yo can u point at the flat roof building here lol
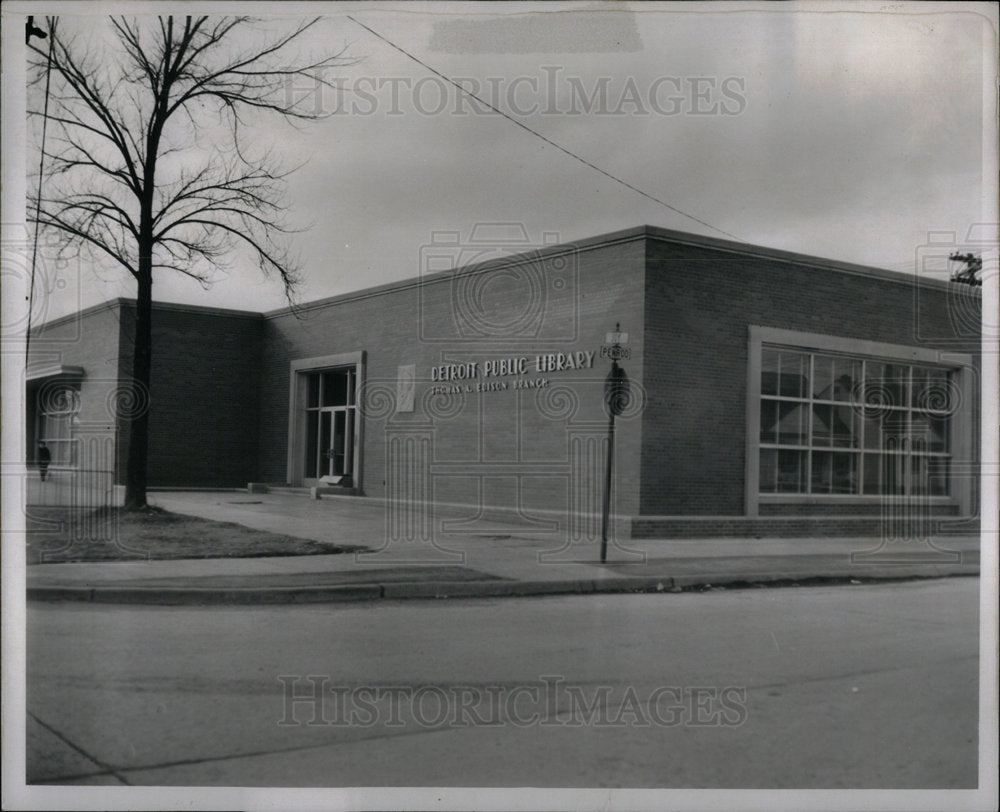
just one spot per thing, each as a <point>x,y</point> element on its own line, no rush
<point>771,393</point>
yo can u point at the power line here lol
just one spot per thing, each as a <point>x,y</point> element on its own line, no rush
<point>544,138</point>
<point>31,31</point>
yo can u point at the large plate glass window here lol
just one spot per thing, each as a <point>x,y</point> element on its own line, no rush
<point>833,424</point>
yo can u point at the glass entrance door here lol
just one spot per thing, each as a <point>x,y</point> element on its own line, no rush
<point>329,436</point>
<point>336,447</point>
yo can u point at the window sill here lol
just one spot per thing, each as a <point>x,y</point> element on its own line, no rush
<point>839,498</point>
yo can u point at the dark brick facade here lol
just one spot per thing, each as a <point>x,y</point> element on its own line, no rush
<point>699,305</point>
<point>204,396</point>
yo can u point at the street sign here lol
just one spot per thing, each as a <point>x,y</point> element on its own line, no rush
<point>616,353</point>
<point>616,338</point>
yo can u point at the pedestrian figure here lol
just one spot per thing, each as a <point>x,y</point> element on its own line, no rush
<point>44,458</point>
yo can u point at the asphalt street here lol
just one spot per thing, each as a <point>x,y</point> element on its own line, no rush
<point>863,686</point>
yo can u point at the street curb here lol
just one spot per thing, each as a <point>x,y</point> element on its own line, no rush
<point>194,596</point>
<point>242,596</point>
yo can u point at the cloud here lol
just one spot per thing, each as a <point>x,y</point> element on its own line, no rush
<point>858,133</point>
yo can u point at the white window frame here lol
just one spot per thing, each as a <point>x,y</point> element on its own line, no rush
<point>71,416</point>
<point>959,364</point>
<point>349,409</point>
<point>299,371</point>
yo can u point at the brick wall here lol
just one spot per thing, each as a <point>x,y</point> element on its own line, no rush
<point>556,304</point>
<point>812,527</point>
<point>203,398</point>
<point>699,303</point>
<point>203,395</point>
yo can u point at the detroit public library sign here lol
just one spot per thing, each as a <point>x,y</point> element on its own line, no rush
<point>469,376</point>
<point>775,394</point>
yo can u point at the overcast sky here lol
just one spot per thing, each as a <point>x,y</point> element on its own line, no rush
<point>848,135</point>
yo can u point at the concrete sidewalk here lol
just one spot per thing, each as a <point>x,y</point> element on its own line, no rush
<point>464,556</point>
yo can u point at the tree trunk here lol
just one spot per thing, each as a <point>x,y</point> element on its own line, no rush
<point>139,397</point>
<point>142,355</point>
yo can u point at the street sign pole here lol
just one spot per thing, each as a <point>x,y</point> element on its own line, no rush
<point>616,396</point>
<point>607,489</point>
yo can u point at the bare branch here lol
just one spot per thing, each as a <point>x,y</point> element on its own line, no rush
<point>116,119</point>
<point>85,234</point>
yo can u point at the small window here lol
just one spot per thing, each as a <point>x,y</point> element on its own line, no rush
<point>57,411</point>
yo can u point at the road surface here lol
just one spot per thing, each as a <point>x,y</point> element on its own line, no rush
<point>819,687</point>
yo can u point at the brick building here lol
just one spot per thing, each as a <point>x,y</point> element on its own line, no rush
<point>771,393</point>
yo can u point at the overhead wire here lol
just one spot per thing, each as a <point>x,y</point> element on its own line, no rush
<point>31,31</point>
<point>539,135</point>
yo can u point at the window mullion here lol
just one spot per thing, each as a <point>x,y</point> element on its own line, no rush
<point>897,452</point>
<point>908,459</point>
<point>809,412</point>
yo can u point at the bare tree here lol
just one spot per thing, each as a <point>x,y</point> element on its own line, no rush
<point>148,165</point>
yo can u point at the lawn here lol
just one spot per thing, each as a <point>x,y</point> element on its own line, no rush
<point>59,534</point>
